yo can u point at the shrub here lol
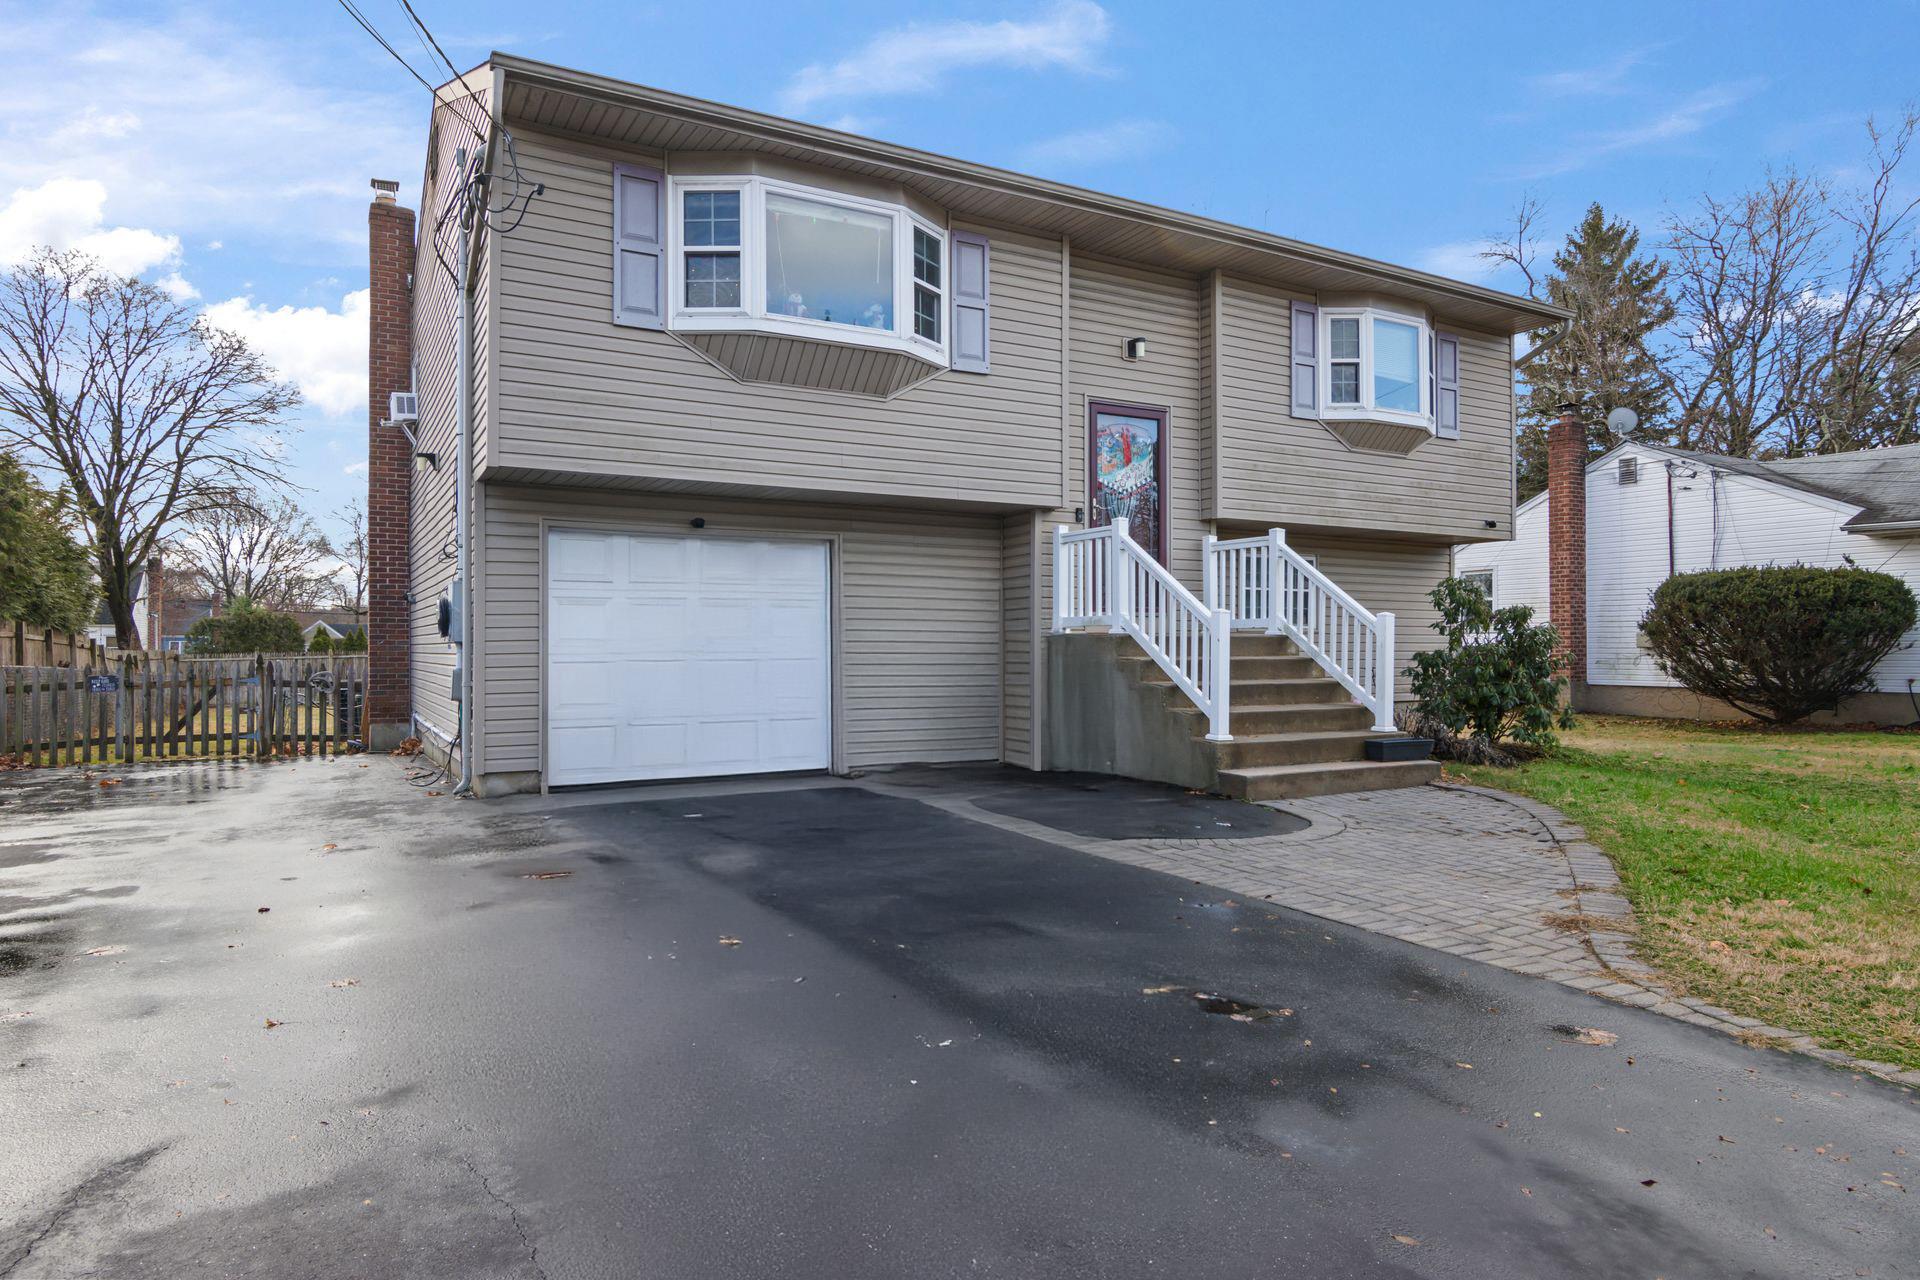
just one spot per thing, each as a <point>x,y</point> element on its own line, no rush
<point>1496,681</point>
<point>352,642</point>
<point>243,628</point>
<point>321,643</point>
<point>1779,642</point>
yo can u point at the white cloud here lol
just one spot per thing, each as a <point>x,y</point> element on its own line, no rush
<point>1603,78</point>
<point>1122,140</point>
<point>354,469</point>
<point>1681,120</point>
<point>323,352</point>
<point>1460,260</point>
<point>919,57</point>
<point>201,127</point>
<point>69,213</point>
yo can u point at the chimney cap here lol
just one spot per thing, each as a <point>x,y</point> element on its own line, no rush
<point>385,190</point>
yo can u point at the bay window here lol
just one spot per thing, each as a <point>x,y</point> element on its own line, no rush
<point>753,253</point>
<point>1376,365</point>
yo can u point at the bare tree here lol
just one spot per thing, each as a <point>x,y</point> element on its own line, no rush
<point>265,549</point>
<point>148,414</point>
<point>1792,299</point>
<point>350,581</point>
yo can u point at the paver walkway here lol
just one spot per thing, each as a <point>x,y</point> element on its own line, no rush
<point>1464,870</point>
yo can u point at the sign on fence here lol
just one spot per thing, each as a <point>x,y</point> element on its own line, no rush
<point>168,707</point>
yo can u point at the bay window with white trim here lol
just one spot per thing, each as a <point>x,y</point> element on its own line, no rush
<point>755,254</point>
<point>1375,366</point>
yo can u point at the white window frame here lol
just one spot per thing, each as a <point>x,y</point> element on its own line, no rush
<point>1366,410</point>
<point>940,304</point>
<point>753,316</point>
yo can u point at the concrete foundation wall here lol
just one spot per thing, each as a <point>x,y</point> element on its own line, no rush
<point>1100,719</point>
<point>1683,704</point>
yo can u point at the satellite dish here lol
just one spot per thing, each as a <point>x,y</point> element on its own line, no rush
<point>1621,422</point>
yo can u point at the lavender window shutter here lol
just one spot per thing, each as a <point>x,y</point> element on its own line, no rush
<point>1306,360</point>
<point>1446,386</point>
<point>970,303</point>
<point>639,260</point>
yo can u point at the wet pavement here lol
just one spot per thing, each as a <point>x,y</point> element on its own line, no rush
<point>821,1030</point>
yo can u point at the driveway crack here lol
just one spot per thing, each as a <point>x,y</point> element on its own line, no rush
<point>513,1213</point>
<point>97,1185</point>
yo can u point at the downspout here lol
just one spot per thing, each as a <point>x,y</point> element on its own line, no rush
<point>1670,553</point>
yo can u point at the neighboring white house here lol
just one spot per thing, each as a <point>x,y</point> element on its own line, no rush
<point>1654,511</point>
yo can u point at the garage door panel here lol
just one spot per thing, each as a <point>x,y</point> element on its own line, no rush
<point>698,655</point>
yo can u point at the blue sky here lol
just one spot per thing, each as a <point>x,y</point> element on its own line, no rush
<point>225,147</point>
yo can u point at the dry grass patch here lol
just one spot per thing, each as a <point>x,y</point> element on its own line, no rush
<point>1774,873</point>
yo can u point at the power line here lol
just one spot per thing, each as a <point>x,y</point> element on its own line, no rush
<point>353,12</point>
<point>427,38</point>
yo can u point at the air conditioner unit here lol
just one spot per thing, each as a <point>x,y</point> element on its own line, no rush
<point>403,406</point>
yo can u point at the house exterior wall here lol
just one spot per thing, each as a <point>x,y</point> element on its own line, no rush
<point>577,393</point>
<point>919,636</point>
<point>1276,468</point>
<point>1720,520</point>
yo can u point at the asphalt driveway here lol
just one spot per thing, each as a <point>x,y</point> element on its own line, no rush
<point>830,1031</point>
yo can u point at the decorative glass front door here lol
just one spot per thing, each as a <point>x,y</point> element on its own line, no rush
<point>1126,456</point>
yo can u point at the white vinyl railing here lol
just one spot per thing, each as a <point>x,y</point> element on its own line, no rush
<point>1103,577</point>
<point>1263,584</point>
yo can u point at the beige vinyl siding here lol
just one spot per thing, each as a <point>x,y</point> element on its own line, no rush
<point>1387,577</point>
<point>1018,561</point>
<point>576,393</point>
<point>1278,469</point>
<point>919,618</point>
<point>435,343</point>
<point>1111,303</point>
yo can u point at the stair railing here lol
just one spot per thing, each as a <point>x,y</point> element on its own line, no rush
<point>1103,577</point>
<point>1264,584</point>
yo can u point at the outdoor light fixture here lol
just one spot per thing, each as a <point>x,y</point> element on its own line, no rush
<point>1136,348</point>
<point>426,461</point>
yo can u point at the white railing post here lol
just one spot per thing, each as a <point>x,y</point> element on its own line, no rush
<point>1209,582</point>
<point>1219,677</point>
<point>1120,576</point>
<point>1383,663</point>
<point>1060,577</point>
<point>1276,559</point>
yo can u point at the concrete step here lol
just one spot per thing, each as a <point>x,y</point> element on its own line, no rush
<point>1258,750</point>
<point>1285,667</point>
<point>1254,644</point>
<point>1299,717</point>
<point>1293,781</point>
<point>1286,692</point>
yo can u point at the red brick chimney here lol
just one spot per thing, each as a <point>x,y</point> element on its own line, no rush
<point>389,471</point>
<point>1567,544</point>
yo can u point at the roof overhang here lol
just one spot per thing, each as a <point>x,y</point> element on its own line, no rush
<point>616,113</point>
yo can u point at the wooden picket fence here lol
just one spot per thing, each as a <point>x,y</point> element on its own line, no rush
<point>167,707</point>
<point>22,645</point>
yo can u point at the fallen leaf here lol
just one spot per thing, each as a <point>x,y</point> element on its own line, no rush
<point>1714,944</point>
<point>1729,1141</point>
<point>1618,1129</point>
<point>1588,1035</point>
<point>264,910</point>
<point>325,847</point>
<point>344,982</point>
<point>727,941</point>
<point>1158,991</point>
<point>271,1024</point>
<point>1464,1066</point>
<point>546,875</point>
<point>1409,1241</point>
<point>1649,1182</point>
<point>433,793</point>
<point>111,782</point>
<point>105,951</point>
<point>1525,1192</point>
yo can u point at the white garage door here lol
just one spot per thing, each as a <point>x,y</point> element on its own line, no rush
<point>685,657</point>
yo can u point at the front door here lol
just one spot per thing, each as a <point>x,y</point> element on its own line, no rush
<point>1126,471</point>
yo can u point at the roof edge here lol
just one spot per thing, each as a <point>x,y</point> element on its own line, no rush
<point>855,147</point>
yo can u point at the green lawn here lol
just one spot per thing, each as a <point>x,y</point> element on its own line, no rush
<point>1773,872</point>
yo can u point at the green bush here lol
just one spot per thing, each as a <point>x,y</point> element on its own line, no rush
<point>1778,642</point>
<point>321,643</point>
<point>244,628</point>
<point>352,642</point>
<point>1496,681</point>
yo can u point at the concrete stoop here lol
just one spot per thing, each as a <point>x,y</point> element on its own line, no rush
<point>1296,730</point>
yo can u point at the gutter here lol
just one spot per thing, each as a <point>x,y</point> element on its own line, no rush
<point>1885,526</point>
<point>1546,344</point>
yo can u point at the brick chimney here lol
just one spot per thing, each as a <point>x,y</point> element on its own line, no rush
<point>1567,544</point>
<point>389,470</point>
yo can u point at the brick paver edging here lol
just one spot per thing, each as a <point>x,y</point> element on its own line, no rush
<point>1637,984</point>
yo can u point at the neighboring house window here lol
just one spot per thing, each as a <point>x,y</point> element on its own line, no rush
<point>753,253</point>
<point>1376,365</point>
<point>1481,578</point>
